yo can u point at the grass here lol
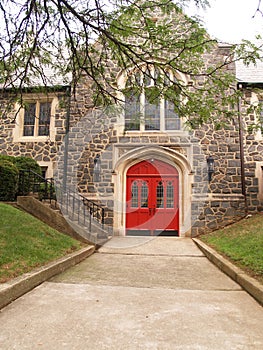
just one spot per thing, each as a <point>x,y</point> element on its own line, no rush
<point>241,243</point>
<point>26,243</point>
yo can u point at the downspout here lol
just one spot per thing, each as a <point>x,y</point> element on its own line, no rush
<point>241,148</point>
<point>66,140</point>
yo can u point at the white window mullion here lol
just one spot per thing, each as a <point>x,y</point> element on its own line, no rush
<point>162,115</point>
<point>142,111</point>
<point>36,119</point>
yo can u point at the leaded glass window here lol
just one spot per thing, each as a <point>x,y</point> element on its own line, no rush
<point>135,195</point>
<point>170,195</point>
<point>152,112</point>
<point>29,119</point>
<point>159,195</point>
<point>145,107</point>
<point>44,119</point>
<point>132,110</point>
<point>144,195</point>
<point>36,119</point>
<point>172,120</point>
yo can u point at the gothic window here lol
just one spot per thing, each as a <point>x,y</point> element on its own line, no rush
<point>145,107</point>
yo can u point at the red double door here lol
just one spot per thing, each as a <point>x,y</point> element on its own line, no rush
<point>152,199</point>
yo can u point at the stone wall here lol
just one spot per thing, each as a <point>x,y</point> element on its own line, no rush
<point>43,151</point>
<point>213,205</point>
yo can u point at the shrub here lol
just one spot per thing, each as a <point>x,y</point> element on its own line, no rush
<point>5,157</point>
<point>21,163</point>
<point>9,180</point>
<point>26,163</point>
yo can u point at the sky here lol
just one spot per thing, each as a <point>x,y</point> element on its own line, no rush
<point>231,20</point>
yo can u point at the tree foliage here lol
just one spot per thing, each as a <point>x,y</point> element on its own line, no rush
<point>43,39</point>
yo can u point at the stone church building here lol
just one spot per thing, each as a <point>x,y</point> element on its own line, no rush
<point>152,175</point>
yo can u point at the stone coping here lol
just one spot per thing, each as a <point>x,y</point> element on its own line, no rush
<point>16,287</point>
<point>249,284</point>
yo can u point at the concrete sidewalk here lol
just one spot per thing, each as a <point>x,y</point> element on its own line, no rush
<point>136,293</point>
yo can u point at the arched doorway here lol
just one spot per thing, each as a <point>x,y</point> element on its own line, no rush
<point>152,199</point>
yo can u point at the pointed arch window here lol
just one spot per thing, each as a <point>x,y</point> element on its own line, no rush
<point>145,107</point>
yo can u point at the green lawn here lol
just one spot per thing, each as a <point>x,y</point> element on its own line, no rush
<point>26,243</point>
<point>242,243</point>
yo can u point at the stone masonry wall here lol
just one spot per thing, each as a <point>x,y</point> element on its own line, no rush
<point>214,205</point>
<point>41,151</point>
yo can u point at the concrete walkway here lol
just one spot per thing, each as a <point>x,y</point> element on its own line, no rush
<point>136,293</point>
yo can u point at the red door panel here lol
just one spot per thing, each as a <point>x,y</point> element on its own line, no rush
<point>152,199</point>
<point>137,203</point>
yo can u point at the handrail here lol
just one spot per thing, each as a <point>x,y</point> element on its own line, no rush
<point>79,208</point>
<point>31,182</point>
<point>75,206</point>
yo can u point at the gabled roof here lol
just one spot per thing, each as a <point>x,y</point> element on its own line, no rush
<point>48,77</point>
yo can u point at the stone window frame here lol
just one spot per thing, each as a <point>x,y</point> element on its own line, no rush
<point>19,124</point>
<point>121,82</point>
<point>48,166</point>
<point>259,176</point>
<point>254,101</point>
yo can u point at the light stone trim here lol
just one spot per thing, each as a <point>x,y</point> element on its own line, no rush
<point>136,155</point>
<point>259,175</point>
<point>18,130</point>
<point>49,166</point>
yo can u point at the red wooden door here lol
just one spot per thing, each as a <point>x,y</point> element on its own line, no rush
<point>152,199</point>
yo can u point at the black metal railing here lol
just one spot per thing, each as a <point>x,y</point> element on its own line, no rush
<point>75,206</point>
<point>31,183</point>
<point>79,209</point>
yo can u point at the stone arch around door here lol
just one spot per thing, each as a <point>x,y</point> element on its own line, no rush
<point>172,158</point>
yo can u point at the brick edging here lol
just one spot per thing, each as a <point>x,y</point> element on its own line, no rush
<point>250,284</point>
<point>18,286</point>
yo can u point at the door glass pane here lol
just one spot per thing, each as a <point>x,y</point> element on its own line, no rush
<point>144,195</point>
<point>135,195</point>
<point>170,195</point>
<point>44,119</point>
<point>159,195</point>
<point>29,119</point>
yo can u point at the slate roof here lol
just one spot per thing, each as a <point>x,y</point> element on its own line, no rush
<point>245,74</point>
<point>49,78</point>
<point>249,74</point>
<point>52,77</point>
